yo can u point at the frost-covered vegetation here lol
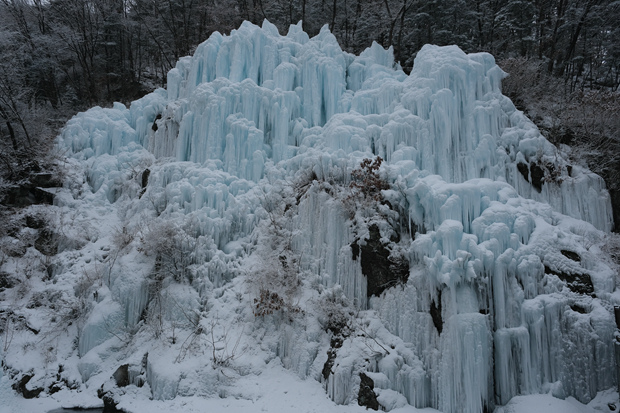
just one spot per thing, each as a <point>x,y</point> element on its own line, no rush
<point>405,240</point>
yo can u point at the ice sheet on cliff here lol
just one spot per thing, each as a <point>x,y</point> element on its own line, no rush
<point>506,249</point>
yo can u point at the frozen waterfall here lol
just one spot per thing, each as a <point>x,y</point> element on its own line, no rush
<point>505,294</point>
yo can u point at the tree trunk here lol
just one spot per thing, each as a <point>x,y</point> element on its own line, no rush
<point>12,135</point>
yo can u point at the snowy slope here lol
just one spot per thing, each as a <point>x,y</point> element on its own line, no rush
<point>223,231</point>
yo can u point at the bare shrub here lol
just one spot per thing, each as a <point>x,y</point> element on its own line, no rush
<point>366,181</point>
<point>223,350</point>
<point>85,283</point>
<point>276,277</point>
<point>269,302</point>
<point>363,196</point>
<point>122,237</point>
<point>173,248</point>
<point>336,312</point>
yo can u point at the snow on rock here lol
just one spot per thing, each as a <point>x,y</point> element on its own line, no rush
<point>230,234</point>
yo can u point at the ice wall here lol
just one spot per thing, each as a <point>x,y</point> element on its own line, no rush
<point>497,304</point>
<point>255,96</point>
<point>326,236</point>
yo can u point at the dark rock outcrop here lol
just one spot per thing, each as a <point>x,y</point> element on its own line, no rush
<point>109,404</point>
<point>46,243</point>
<point>329,363</point>
<point>539,172</point>
<point>571,255</point>
<point>524,170</point>
<point>578,308</point>
<point>537,176</point>
<point>35,222</point>
<point>154,126</point>
<point>534,174</point>
<point>382,271</point>
<point>32,192</point>
<point>7,281</point>
<point>366,396</point>
<point>614,194</point>
<point>436,313</point>
<point>22,196</point>
<point>121,375</point>
<point>20,387</point>
<point>340,330</point>
<point>580,283</point>
<point>145,177</point>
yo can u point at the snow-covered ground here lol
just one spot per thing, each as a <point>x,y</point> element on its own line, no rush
<point>291,227</point>
<point>278,391</point>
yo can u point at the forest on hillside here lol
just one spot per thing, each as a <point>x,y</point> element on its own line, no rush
<point>63,56</point>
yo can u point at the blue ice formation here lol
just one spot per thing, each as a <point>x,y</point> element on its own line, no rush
<point>255,106</point>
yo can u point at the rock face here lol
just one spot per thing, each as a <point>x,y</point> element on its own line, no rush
<point>47,242</point>
<point>615,203</point>
<point>121,376</point>
<point>6,281</point>
<point>26,195</point>
<point>380,268</point>
<point>436,313</point>
<point>367,396</point>
<point>109,404</point>
<point>21,387</point>
<point>580,283</point>
<point>33,192</point>
<point>145,178</point>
